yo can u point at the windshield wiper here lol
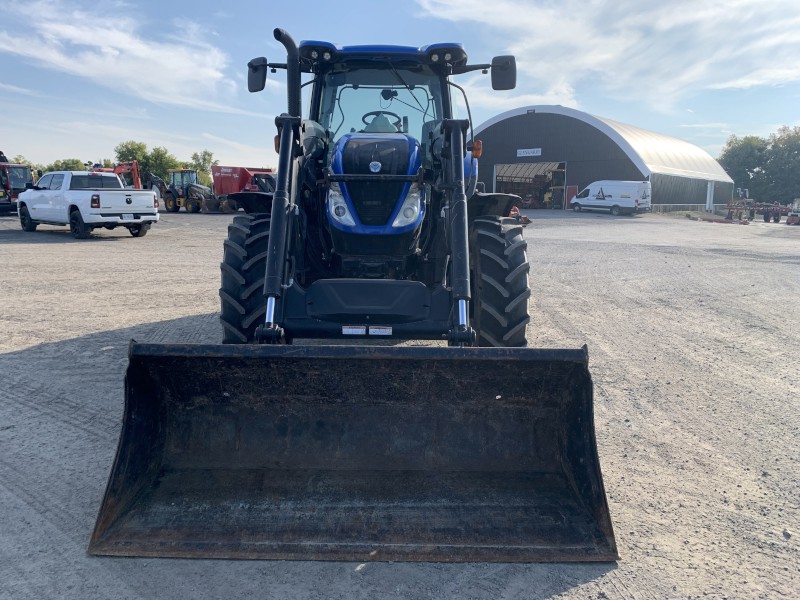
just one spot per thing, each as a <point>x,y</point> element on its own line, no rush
<point>410,91</point>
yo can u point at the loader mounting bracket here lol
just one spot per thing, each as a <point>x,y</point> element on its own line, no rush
<point>460,336</point>
<point>269,334</point>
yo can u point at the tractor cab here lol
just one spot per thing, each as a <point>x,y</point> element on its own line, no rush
<point>13,179</point>
<point>180,178</point>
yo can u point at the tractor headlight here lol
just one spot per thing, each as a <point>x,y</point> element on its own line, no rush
<point>337,207</point>
<point>411,208</point>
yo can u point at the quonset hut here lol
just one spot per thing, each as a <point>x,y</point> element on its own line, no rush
<point>546,154</point>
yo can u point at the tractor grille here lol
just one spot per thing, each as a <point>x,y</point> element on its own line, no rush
<point>375,201</point>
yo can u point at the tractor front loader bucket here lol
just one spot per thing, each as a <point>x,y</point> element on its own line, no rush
<point>356,453</point>
<point>210,205</point>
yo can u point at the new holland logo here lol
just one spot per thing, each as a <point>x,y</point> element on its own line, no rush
<point>375,166</point>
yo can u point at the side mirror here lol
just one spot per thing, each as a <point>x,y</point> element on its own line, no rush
<point>257,74</point>
<point>504,73</point>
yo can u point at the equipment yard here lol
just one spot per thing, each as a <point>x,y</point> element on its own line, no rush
<point>694,350</point>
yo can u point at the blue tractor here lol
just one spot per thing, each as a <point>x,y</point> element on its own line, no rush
<point>379,230</point>
<point>470,448</point>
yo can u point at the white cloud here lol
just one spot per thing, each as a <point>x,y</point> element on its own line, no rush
<point>18,90</point>
<point>647,50</point>
<point>183,69</point>
<point>246,154</point>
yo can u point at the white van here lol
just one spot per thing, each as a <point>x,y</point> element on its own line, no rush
<point>618,197</point>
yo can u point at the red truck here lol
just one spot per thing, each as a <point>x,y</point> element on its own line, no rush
<point>230,181</point>
<point>13,178</point>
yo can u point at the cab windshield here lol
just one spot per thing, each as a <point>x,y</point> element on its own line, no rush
<point>389,99</point>
<point>17,177</point>
<point>182,178</point>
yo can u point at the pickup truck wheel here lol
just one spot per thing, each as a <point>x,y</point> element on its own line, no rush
<point>25,220</point>
<point>500,288</point>
<point>139,230</point>
<point>169,203</point>
<point>76,225</point>
<point>243,270</point>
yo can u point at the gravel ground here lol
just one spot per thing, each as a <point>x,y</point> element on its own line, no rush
<point>694,344</point>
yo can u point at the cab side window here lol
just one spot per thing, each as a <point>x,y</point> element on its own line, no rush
<point>44,182</point>
<point>56,182</point>
<point>584,194</point>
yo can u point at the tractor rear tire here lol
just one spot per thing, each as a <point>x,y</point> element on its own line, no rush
<point>170,205</point>
<point>499,279</point>
<point>243,270</point>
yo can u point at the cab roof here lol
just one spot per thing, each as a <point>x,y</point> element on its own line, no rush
<point>432,53</point>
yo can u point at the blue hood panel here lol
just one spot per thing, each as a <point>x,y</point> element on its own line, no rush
<point>375,204</point>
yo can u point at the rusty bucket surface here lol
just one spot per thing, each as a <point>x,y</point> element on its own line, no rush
<point>356,453</point>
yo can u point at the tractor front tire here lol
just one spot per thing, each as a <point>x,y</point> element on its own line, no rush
<point>192,205</point>
<point>243,270</point>
<point>499,279</point>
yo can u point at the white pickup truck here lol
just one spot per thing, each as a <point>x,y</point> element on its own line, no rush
<point>86,200</point>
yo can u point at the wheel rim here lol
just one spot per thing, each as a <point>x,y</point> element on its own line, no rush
<point>73,225</point>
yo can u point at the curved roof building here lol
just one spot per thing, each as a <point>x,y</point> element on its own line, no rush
<point>533,148</point>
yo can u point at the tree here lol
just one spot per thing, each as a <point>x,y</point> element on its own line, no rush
<point>202,162</point>
<point>768,167</point>
<point>67,164</point>
<point>744,160</point>
<point>21,160</point>
<point>783,165</point>
<point>130,150</point>
<point>159,161</point>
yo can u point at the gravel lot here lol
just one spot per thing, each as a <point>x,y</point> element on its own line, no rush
<point>693,330</point>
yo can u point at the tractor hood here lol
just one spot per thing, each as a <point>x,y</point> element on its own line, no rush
<point>380,198</point>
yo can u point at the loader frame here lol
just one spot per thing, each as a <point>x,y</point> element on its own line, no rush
<point>428,314</point>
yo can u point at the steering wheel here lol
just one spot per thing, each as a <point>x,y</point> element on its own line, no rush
<point>376,113</point>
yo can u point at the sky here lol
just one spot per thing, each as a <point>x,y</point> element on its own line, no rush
<point>77,78</point>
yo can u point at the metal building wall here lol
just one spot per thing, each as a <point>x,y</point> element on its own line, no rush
<point>590,155</point>
<point>687,193</point>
